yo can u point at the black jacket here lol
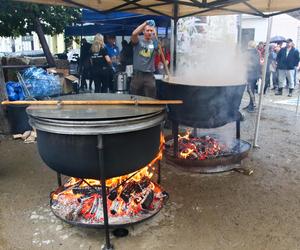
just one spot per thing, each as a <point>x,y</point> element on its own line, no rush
<point>287,62</point>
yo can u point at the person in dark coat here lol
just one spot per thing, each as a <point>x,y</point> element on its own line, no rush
<point>253,73</point>
<point>126,55</point>
<point>85,65</point>
<point>287,60</point>
<point>100,65</point>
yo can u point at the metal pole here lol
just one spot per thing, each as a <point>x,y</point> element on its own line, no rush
<point>270,20</point>
<point>158,172</point>
<point>108,245</point>
<point>195,132</point>
<point>238,129</point>
<point>298,102</point>
<point>80,61</point>
<point>175,137</point>
<point>172,47</point>
<point>239,29</point>
<point>174,35</point>
<point>58,179</point>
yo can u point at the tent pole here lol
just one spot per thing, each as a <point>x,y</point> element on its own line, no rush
<point>298,99</point>
<point>270,20</point>
<point>239,30</point>
<point>80,58</point>
<point>172,46</point>
<point>174,34</point>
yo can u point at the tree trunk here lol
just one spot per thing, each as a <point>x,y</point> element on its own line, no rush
<point>41,35</point>
<point>4,126</point>
<point>13,45</point>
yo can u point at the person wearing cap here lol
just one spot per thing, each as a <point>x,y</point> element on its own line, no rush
<point>287,59</point>
<point>144,50</point>
<point>114,54</point>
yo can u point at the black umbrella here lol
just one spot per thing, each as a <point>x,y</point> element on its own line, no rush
<point>277,39</point>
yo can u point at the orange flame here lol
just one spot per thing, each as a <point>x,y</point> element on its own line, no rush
<point>117,206</point>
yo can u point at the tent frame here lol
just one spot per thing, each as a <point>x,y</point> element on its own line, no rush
<point>223,5</point>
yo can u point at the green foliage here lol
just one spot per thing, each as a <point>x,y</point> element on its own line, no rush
<point>17,18</point>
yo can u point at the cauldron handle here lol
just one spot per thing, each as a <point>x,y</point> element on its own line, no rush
<point>100,146</point>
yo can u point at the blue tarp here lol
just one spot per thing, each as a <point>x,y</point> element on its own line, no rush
<point>113,23</point>
<point>123,18</point>
<point>105,29</point>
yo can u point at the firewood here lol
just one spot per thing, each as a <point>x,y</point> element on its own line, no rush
<point>115,207</point>
<point>17,136</point>
<point>26,134</point>
<point>148,198</point>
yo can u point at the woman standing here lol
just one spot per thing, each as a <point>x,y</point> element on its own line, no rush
<point>100,65</point>
<point>253,73</point>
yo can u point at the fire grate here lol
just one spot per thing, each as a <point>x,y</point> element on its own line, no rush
<point>130,200</point>
<point>206,153</point>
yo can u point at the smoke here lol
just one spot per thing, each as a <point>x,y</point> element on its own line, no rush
<point>211,63</point>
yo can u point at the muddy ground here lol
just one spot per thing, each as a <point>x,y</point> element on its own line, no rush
<point>225,211</point>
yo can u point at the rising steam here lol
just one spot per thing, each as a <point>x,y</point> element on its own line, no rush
<point>211,63</point>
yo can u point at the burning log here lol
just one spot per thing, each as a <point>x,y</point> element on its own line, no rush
<point>113,195</point>
<point>86,190</point>
<point>115,206</point>
<point>145,182</point>
<point>128,189</point>
<point>148,198</point>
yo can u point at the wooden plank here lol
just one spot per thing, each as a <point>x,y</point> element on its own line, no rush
<point>94,102</point>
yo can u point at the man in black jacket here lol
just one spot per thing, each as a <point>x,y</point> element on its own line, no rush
<point>287,59</point>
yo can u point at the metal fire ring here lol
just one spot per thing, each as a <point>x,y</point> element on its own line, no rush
<point>214,165</point>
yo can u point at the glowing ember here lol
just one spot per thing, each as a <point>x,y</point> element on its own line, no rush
<point>199,148</point>
<point>130,198</point>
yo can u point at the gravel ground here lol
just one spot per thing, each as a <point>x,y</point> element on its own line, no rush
<point>211,212</point>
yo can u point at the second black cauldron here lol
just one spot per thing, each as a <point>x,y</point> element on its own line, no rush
<point>204,106</point>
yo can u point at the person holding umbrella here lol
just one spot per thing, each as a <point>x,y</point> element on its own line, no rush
<point>277,39</point>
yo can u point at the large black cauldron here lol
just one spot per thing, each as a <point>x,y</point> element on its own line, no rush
<point>203,106</point>
<point>68,136</point>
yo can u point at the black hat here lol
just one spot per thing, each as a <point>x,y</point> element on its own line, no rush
<point>289,40</point>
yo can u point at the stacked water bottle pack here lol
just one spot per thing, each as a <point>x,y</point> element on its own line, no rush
<point>40,83</point>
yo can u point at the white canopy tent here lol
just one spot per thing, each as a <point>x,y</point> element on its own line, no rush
<point>182,8</point>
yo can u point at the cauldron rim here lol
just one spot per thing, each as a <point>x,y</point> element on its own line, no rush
<point>217,85</point>
<point>96,127</point>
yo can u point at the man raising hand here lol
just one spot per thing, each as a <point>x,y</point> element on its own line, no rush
<point>144,49</point>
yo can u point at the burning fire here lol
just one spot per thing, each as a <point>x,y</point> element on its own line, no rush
<point>128,196</point>
<point>199,148</point>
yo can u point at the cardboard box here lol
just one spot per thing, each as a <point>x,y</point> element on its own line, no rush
<point>66,88</point>
<point>68,83</point>
<point>60,72</point>
<point>71,78</point>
